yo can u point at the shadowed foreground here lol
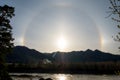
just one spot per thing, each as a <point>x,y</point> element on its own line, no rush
<point>78,68</point>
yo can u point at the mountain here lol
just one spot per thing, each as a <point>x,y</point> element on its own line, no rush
<point>22,54</point>
<point>85,56</point>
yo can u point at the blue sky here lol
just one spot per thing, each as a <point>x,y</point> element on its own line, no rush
<point>63,25</point>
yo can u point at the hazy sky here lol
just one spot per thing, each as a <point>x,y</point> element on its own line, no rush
<point>63,25</point>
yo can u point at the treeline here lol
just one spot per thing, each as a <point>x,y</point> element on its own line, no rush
<point>71,68</point>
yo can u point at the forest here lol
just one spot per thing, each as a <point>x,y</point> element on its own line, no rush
<point>71,68</point>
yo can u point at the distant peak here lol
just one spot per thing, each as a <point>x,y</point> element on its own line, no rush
<point>97,50</point>
<point>88,50</point>
<point>21,46</point>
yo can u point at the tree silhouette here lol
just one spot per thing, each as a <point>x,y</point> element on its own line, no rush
<point>6,44</point>
<point>115,15</point>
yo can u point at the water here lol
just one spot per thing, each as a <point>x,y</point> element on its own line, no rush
<point>35,76</point>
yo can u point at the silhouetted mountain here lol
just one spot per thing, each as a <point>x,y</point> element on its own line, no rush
<point>23,54</point>
<point>85,56</point>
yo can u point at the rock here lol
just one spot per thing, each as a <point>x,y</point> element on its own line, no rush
<point>48,79</point>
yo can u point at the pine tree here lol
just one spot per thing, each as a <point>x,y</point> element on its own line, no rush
<point>115,15</point>
<point>6,44</point>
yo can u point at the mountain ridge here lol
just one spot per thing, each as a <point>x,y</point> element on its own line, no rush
<point>22,54</point>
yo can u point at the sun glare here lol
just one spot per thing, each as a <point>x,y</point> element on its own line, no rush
<point>61,77</point>
<point>62,43</point>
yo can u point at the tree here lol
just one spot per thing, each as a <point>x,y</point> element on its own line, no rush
<point>115,14</point>
<point>6,44</point>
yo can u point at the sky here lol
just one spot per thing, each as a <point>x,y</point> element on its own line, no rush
<point>63,25</point>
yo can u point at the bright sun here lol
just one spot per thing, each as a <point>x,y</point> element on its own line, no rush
<point>62,43</point>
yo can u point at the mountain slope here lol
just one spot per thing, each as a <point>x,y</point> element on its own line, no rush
<point>23,54</point>
<point>85,56</point>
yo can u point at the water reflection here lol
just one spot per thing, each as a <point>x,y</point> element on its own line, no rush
<point>36,76</point>
<point>62,77</point>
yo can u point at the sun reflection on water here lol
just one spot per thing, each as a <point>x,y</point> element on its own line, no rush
<point>62,77</point>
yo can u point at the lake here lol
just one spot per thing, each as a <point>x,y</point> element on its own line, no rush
<point>37,76</point>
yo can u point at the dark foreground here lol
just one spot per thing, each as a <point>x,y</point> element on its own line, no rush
<point>78,68</point>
